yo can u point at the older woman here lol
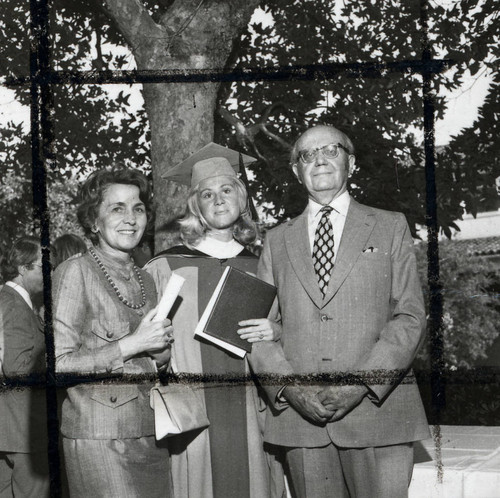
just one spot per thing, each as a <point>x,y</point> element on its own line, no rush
<point>103,325</point>
<point>227,459</point>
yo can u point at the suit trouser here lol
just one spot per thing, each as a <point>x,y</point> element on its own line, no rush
<point>24,474</point>
<point>333,472</point>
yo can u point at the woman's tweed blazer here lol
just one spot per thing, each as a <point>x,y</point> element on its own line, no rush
<point>89,319</point>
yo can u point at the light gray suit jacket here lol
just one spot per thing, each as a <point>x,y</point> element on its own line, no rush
<point>370,323</point>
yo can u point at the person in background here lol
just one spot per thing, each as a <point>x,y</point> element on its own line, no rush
<point>350,304</point>
<point>104,307</point>
<point>228,458</point>
<point>66,246</point>
<point>23,423</point>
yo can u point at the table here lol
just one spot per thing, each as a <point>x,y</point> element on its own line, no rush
<point>470,463</point>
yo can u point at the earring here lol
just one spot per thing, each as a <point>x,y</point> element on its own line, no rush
<point>94,228</point>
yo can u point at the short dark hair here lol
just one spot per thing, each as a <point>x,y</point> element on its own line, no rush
<point>92,193</point>
<point>25,251</point>
<point>65,246</point>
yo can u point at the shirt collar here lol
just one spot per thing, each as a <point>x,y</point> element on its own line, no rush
<point>340,204</point>
<point>21,291</point>
<point>219,249</point>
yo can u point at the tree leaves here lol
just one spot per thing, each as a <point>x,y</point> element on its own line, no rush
<point>93,130</point>
<point>376,112</point>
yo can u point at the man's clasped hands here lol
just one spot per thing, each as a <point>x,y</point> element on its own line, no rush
<point>327,405</point>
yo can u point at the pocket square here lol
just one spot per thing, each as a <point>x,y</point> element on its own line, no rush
<point>370,249</point>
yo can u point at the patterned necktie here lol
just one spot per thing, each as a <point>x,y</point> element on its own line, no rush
<point>323,250</point>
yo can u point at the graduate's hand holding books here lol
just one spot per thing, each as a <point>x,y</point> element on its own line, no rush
<point>259,329</point>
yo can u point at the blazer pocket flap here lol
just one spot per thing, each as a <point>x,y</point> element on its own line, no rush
<point>110,330</point>
<point>113,398</point>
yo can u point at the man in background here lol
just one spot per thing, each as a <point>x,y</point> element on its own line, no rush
<point>23,424</point>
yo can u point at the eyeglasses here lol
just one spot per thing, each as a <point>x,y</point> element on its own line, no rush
<point>330,151</point>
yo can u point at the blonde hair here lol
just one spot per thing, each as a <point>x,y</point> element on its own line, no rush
<point>194,226</point>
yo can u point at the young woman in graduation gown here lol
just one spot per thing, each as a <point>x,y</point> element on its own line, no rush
<point>227,459</point>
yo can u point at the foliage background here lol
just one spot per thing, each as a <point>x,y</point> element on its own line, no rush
<point>96,125</point>
<point>471,286</point>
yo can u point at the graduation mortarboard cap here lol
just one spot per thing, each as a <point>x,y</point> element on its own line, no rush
<point>211,160</point>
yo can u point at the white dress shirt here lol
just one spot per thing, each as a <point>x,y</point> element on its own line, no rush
<point>340,207</point>
<point>22,292</point>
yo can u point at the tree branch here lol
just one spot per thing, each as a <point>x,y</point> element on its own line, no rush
<point>184,25</point>
<point>98,62</point>
<point>134,22</point>
<point>185,10</point>
<point>275,137</point>
<point>245,135</point>
<point>180,14</point>
<point>192,22</point>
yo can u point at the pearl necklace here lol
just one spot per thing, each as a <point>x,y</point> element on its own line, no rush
<point>115,288</point>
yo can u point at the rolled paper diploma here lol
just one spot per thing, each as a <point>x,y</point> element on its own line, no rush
<point>170,294</point>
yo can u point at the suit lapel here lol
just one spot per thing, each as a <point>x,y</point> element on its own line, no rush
<point>299,253</point>
<point>357,229</point>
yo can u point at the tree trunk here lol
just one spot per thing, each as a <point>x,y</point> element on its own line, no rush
<point>192,34</point>
<point>181,117</point>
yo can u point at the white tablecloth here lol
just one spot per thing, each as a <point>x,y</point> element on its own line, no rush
<point>468,465</point>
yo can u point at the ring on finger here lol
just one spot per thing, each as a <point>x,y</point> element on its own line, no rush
<point>261,336</point>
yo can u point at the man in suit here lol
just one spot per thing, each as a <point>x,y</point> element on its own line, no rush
<point>23,425</point>
<point>350,305</point>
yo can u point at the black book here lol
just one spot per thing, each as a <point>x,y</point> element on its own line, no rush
<point>238,296</point>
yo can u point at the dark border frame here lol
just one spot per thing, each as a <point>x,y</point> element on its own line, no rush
<point>41,80</point>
